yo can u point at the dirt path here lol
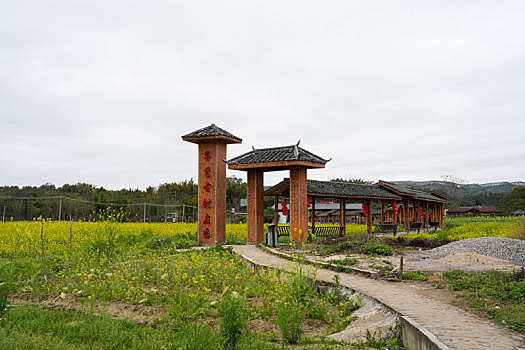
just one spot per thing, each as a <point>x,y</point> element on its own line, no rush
<point>454,327</point>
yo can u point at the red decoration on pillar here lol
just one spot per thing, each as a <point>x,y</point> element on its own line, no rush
<point>206,233</point>
<point>207,171</point>
<point>206,203</point>
<point>207,219</point>
<point>207,187</point>
<point>207,156</point>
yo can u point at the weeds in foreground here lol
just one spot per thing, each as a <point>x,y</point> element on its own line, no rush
<point>289,320</point>
<point>233,318</point>
<point>4,298</point>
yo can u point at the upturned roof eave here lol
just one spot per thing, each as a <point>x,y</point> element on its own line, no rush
<point>278,165</point>
<point>201,139</point>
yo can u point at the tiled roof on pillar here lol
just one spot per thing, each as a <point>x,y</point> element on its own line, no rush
<point>403,191</point>
<point>212,132</point>
<point>277,155</point>
<point>334,189</point>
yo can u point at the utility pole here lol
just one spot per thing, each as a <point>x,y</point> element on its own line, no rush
<point>144,220</point>
<point>183,206</point>
<point>60,209</point>
<point>3,216</point>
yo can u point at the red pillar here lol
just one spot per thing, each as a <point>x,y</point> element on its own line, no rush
<point>212,193</point>
<point>298,208</point>
<point>255,219</point>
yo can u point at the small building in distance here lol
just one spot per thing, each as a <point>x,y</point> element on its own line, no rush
<point>518,212</point>
<point>473,211</point>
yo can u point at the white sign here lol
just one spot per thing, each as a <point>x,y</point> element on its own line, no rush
<point>244,202</point>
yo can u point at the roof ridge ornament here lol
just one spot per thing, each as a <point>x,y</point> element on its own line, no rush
<point>253,148</point>
<point>296,151</point>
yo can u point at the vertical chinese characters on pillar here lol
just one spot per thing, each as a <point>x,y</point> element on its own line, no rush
<point>206,202</point>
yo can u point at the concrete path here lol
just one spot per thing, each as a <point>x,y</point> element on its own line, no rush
<point>454,327</point>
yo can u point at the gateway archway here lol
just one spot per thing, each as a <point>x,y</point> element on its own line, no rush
<point>258,161</point>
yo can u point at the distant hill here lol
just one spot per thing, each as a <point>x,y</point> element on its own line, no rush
<point>488,194</point>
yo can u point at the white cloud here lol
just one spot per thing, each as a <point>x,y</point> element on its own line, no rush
<point>102,91</point>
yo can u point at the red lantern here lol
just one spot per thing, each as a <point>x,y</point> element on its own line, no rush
<point>442,212</point>
<point>365,210</point>
<point>394,207</point>
<point>284,208</point>
<point>421,212</point>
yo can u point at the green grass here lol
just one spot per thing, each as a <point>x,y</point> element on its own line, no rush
<point>497,295</point>
<point>30,327</point>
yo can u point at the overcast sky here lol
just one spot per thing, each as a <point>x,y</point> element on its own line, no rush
<point>101,91</point>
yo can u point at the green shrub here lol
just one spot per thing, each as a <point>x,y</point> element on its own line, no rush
<point>345,261</point>
<point>289,320</point>
<point>318,311</point>
<point>351,305</point>
<point>416,276</point>
<point>379,249</point>
<point>336,292</point>
<point>344,245</point>
<point>233,318</point>
<point>301,293</point>
<point>4,298</point>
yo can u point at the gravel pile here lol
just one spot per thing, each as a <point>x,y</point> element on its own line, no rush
<point>509,249</point>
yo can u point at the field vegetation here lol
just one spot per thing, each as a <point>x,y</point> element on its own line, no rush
<point>108,284</point>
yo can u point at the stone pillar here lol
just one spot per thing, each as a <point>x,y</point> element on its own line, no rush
<point>298,207</point>
<point>212,193</point>
<point>255,219</point>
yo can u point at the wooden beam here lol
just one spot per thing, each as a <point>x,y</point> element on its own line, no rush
<point>382,212</point>
<point>406,206</point>
<point>342,216</point>
<point>276,212</point>
<point>369,218</point>
<point>274,166</point>
<point>427,217</point>
<point>312,200</point>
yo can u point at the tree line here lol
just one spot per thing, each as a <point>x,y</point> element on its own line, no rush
<point>161,203</point>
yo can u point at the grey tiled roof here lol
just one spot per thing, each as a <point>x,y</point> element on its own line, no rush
<point>410,192</point>
<point>348,189</point>
<point>212,130</point>
<point>336,189</point>
<point>277,154</point>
